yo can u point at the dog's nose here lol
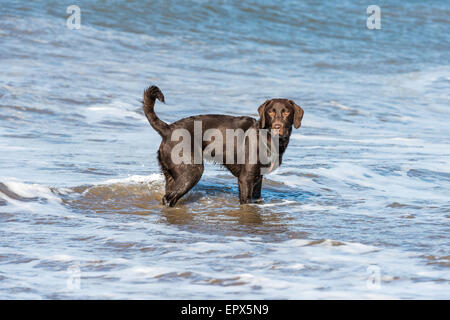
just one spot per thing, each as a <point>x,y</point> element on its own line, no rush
<point>277,126</point>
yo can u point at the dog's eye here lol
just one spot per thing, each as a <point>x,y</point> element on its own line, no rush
<point>286,113</point>
<point>271,113</point>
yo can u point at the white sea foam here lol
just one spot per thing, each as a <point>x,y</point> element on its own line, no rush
<point>154,177</point>
<point>278,204</point>
<point>373,140</point>
<point>29,190</point>
<point>61,258</point>
<point>116,109</point>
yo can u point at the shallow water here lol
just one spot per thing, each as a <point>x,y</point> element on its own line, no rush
<point>362,195</point>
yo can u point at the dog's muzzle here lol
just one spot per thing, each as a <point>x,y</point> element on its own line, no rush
<point>279,129</point>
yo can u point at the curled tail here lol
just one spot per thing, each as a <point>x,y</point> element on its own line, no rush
<point>150,95</point>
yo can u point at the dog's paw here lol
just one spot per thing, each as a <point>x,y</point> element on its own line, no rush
<point>169,199</point>
<point>245,201</point>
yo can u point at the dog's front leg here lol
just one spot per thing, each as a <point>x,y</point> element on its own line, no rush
<point>256,196</point>
<point>245,190</point>
<point>247,180</point>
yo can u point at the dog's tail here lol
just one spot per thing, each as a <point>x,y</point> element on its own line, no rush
<point>150,95</point>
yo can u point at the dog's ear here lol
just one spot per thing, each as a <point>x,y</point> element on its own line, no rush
<point>261,111</point>
<point>298,114</point>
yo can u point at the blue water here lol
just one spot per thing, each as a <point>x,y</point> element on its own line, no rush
<point>364,185</point>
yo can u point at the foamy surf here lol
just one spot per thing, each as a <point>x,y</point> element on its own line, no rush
<point>136,179</point>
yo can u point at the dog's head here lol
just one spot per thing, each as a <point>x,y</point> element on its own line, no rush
<point>279,115</point>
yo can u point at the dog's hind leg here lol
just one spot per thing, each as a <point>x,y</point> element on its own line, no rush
<point>185,177</point>
<point>167,174</point>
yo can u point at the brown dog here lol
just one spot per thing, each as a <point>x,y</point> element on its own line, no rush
<point>276,115</point>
